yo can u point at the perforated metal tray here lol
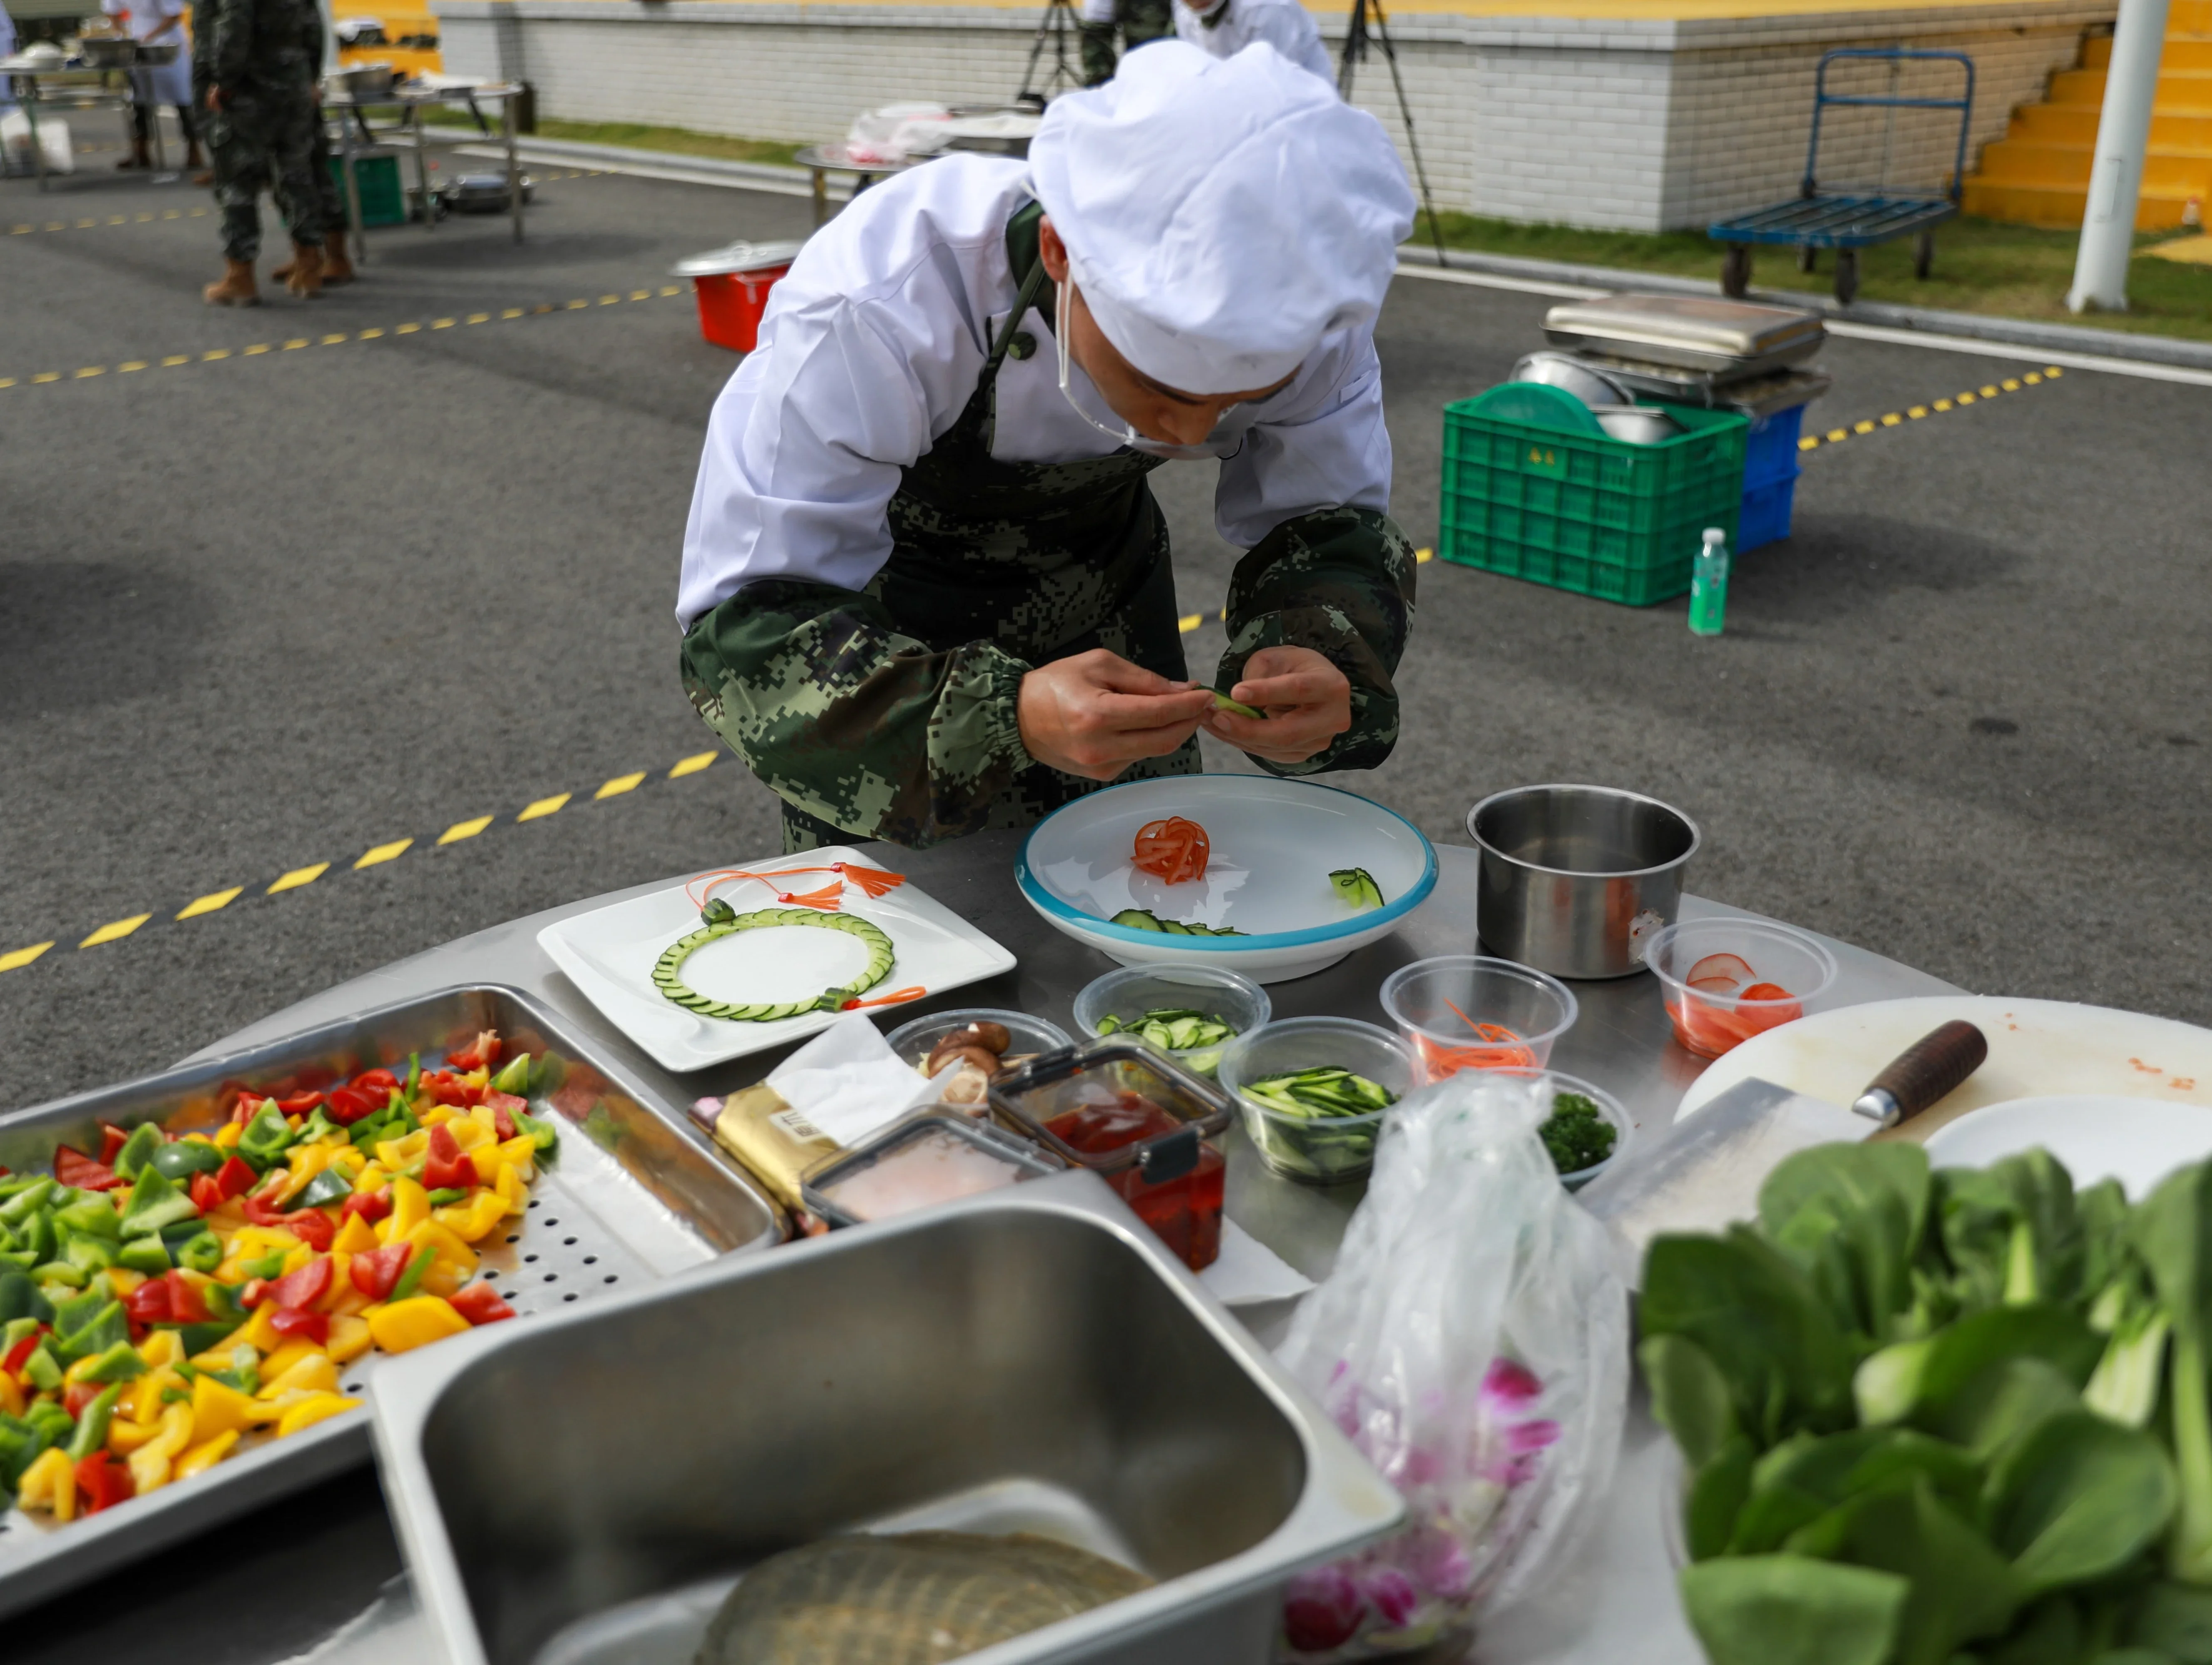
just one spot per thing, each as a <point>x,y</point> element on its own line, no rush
<point>634,1196</point>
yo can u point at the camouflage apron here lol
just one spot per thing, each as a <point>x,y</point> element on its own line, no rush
<point>1043,560</point>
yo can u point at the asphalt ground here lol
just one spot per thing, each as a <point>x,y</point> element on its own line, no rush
<point>262,611</point>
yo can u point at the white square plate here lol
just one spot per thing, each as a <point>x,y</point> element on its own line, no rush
<point>609,954</point>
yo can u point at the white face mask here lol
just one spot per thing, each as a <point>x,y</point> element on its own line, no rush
<point>1225,440</point>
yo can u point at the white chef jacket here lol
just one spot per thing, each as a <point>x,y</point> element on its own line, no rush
<point>873,346</point>
<point>1283,24</point>
<point>167,83</point>
<point>7,50</point>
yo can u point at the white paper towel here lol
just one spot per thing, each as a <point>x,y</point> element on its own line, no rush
<point>847,1081</point>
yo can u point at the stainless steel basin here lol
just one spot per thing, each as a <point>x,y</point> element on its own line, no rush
<point>585,1486</point>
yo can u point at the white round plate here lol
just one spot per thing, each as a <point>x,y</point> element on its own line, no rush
<point>1273,844</point>
<point>2136,1141</point>
<point>2037,1048</point>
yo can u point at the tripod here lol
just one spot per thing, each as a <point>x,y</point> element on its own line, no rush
<point>1355,51</point>
<point>1057,24</point>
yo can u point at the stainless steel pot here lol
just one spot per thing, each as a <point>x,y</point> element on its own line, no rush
<point>1640,424</point>
<point>368,81</point>
<point>1569,374</point>
<point>1574,880</point>
<point>587,1486</point>
<point>117,52</point>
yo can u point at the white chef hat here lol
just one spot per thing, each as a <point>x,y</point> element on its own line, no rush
<point>1221,214</point>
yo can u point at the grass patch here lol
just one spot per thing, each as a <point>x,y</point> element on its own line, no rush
<point>1981,266</point>
<point>642,135</point>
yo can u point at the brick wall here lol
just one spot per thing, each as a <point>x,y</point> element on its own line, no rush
<point>1645,125</point>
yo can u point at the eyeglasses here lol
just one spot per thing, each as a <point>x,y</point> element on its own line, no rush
<point>1226,440</point>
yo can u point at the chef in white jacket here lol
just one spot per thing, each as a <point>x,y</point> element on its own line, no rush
<point>925,588</point>
<point>158,23</point>
<point>1227,26</point>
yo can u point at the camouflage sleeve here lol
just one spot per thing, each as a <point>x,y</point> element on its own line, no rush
<point>840,714</point>
<point>1340,581</point>
<point>230,43</point>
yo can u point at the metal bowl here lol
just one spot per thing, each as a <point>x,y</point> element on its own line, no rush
<point>1638,425</point>
<point>108,52</point>
<point>1576,880</point>
<point>1571,374</point>
<point>367,81</point>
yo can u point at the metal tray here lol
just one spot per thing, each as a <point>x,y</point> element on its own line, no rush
<point>635,1196</point>
<point>1728,338</point>
<point>1754,396</point>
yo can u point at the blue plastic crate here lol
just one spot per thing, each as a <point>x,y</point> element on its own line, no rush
<point>1770,451</point>
<point>1765,517</point>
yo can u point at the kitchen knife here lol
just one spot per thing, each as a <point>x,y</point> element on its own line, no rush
<point>1707,1168</point>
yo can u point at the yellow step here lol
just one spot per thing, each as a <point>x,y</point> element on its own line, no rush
<point>2040,205</point>
<point>2051,123</point>
<point>2010,162</point>
<point>2189,17</point>
<point>2184,50</point>
<point>2178,90</point>
<point>2097,52</point>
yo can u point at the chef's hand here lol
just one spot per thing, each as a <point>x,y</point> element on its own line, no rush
<point>217,98</point>
<point>1307,701</point>
<point>1095,714</point>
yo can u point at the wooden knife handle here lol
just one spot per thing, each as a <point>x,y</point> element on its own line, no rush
<point>1924,1073</point>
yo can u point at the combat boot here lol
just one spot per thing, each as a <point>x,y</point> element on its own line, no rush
<point>236,288</point>
<point>304,276</point>
<point>338,268</point>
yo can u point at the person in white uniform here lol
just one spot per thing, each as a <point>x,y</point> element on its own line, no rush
<point>7,50</point>
<point>925,588</point>
<point>1228,27</point>
<point>158,23</point>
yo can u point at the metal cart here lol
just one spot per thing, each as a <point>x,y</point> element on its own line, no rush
<point>1849,220</point>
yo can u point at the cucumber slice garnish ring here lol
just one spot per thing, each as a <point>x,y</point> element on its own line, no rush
<point>666,971</point>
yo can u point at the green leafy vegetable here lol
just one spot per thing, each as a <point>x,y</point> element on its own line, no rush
<point>1576,1133</point>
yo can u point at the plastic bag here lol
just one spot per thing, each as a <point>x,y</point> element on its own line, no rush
<point>1473,1342</point>
<point>53,139</point>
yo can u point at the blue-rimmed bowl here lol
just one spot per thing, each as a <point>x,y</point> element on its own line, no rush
<point>1274,844</point>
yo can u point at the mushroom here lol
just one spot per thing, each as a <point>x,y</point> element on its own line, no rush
<point>953,1049</point>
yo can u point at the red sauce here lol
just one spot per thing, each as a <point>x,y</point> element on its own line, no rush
<point>1183,1213</point>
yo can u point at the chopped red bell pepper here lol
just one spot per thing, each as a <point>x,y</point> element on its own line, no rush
<point>186,1305</point>
<point>349,1105</point>
<point>260,1211</point>
<point>248,1106</point>
<point>447,1088</point>
<point>480,1054</point>
<point>303,1285</point>
<point>371,1206</point>
<point>74,1168</point>
<point>148,1303</point>
<point>112,1139</point>
<point>379,1082</point>
<point>253,1293</point>
<point>206,1194</point>
<point>312,1227</point>
<point>78,1395</point>
<point>299,1103</point>
<point>307,1326</point>
<point>376,1271</point>
<point>23,1349</point>
<point>235,1177</point>
<point>445,1165</point>
<point>101,1482</point>
<point>480,1304</point>
<point>503,1105</point>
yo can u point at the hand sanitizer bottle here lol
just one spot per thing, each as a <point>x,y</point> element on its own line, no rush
<point>1709,584</point>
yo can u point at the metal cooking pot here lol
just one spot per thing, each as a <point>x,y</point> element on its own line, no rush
<point>108,52</point>
<point>1640,424</point>
<point>369,81</point>
<point>1574,880</point>
<point>1571,375</point>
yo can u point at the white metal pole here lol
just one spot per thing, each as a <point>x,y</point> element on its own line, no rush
<point>2100,268</point>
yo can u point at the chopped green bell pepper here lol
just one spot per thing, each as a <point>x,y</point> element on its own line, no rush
<point>513,1076</point>
<point>66,1272</point>
<point>92,1424</point>
<point>52,1421</point>
<point>325,1188</point>
<point>198,1338</point>
<point>91,1254</point>
<point>121,1362</point>
<point>414,1074</point>
<point>27,1202</point>
<point>148,1254</point>
<point>39,1238</point>
<point>95,1217</point>
<point>221,1301</point>
<point>42,1370</point>
<point>540,1129</point>
<point>446,1193</point>
<point>187,1157</point>
<point>320,1126</point>
<point>96,1337</point>
<point>266,1138</point>
<point>20,1302</point>
<point>181,1231</point>
<point>271,1264</point>
<point>14,1330</point>
<point>22,1259</point>
<point>200,1252</point>
<point>21,1441</point>
<point>155,1201</point>
<point>411,1280</point>
<point>146,1139</point>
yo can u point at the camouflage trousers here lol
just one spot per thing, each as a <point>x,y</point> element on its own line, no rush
<point>265,140</point>
<point>1140,22</point>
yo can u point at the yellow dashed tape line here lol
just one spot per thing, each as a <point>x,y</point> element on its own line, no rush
<point>1915,413</point>
<point>336,338</point>
<point>376,855</point>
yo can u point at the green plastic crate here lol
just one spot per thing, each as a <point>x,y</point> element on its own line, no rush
<point>1535,489</point>
<point>377,174</point>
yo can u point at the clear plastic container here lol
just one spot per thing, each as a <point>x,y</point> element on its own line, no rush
<point>1027,1037</point>
<point>1128,993</point>
<point>1615,1114</point>
<point>1317,1149</point>
<point>1138,1120</point>
<point>1727,980</point>
<point>1469,1011</point>
<point>919,1163</point>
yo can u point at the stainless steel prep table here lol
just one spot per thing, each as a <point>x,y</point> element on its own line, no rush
<point>412,101</point>
<point>1616,1602</point>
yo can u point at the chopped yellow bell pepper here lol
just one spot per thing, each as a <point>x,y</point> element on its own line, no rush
<point>11,1395</point>
<point>473,1220</point>
<point>519,1151</point>
<point>50,1483</point>
<point>295,1259</point>
<point>121,1280</point>
<point>443,1277</point>
<point>260,1240</point>
<point>218,1408</point>
<point>346,1302</point>
<point>124,1436</point>
<point>162,1347</point>
<point>449,1245</point>
<point>411,1207</point>
<point>314,1408</point>
<point>305,1162</point>
<point>77,1372</point>
<point>312,1373</point>
<point>258,1332</point>
<point>356,1236</point>
<point>508,1185</point>
<point>405,1325</point>
<point>350,1338</point>
<point>142,1400</point>
<point>204,1455</point>
<point>149,1464</point>
<point>227,1135</point>
<point>375,1178</point>
<point>297,1348</point>
<point>400,1154</point>
<point>436,1115</point>
<point>469,1133</point>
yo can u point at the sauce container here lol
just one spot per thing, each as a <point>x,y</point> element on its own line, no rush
<point>917,1163</point>
<point>1138,1120</point>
